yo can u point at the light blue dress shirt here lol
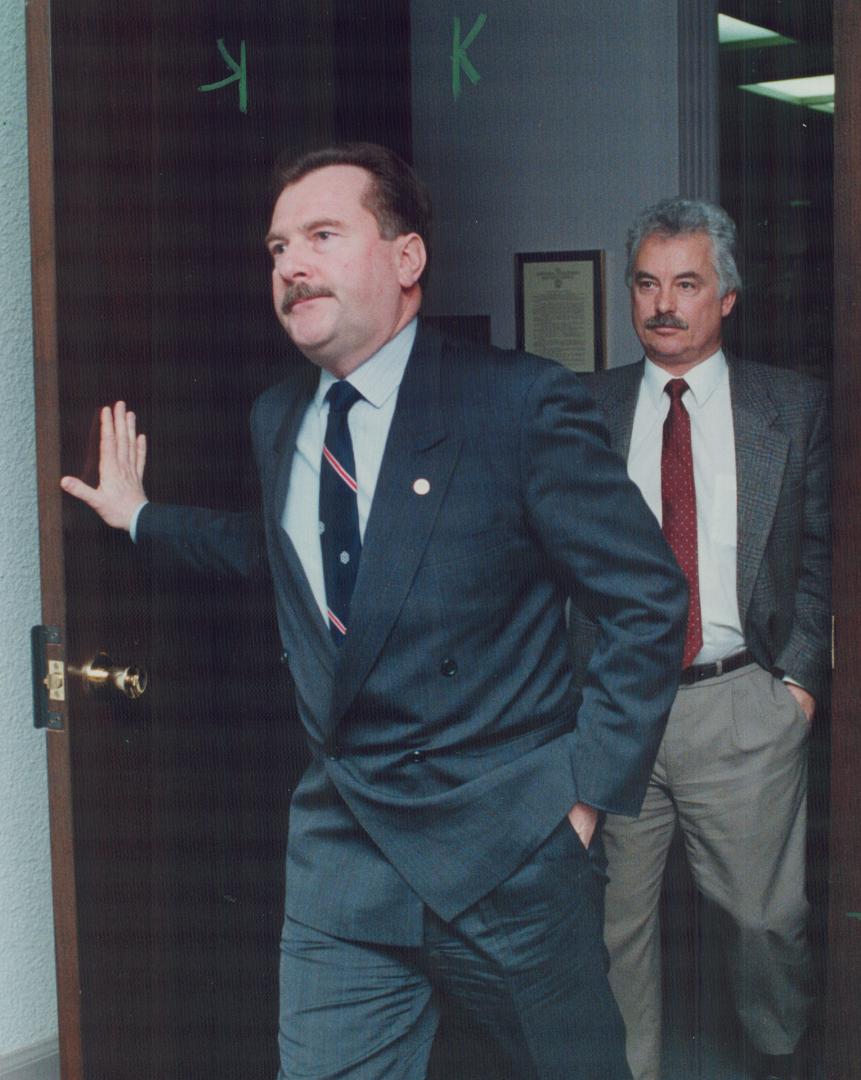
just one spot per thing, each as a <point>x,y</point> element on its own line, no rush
<point>378,380</point>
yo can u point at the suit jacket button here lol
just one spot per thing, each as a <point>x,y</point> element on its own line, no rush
<point>417,756</point>
<point>285,658</point>
<point>333,752</point>
<point>448,667</point>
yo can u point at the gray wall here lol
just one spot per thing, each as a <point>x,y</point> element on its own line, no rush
<point>27,995</point>
<point>571,129</point>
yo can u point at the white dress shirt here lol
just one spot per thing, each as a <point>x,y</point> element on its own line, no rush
<point>708,405</point>
<point>378,380</point>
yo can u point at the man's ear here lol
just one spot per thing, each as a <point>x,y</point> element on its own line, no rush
<point>412,259</point>
<point>727,303</point>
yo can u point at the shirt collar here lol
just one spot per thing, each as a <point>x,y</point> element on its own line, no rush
<point>380,375</point>
<point>703,379</point>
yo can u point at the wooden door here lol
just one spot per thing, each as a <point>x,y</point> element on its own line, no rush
<point>154,126</point>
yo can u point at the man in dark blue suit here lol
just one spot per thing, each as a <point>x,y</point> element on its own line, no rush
<point>428,505</point>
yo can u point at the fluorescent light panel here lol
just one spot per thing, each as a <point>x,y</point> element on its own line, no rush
<point>736,33</point>
<point>814,91</point>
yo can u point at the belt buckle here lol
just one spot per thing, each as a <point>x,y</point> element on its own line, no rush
<point>718,667</point>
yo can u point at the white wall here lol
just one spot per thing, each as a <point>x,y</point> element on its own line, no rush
<point>572,128</point>
<point>27,993</point>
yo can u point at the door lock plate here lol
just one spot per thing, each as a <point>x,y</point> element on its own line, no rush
<point>49,678</point>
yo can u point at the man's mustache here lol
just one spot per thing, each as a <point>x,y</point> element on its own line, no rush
<point>658,321</point>
<point>301,291</point>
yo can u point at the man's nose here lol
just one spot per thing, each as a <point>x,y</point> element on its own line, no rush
<point>291,264</point>
<point>664,301</point>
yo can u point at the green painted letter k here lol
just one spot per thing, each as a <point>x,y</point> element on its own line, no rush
<point>459,60</point>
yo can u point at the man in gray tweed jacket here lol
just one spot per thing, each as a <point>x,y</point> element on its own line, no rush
<point>733,458</point>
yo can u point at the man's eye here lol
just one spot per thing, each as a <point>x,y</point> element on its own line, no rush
<point>322,234</point>
<point>277,249</point>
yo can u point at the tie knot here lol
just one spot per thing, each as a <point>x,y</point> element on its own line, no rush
<point>675,388</point>
<point>342,396</point>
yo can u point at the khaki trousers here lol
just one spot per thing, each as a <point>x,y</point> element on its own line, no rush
<point>732,774</point>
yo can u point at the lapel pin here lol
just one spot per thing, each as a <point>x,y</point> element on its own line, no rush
<point>421,486</point>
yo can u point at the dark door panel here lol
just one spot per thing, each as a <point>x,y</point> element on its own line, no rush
<point>149,198</point>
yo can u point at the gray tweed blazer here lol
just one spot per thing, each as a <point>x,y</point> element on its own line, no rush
<point>781,428</point>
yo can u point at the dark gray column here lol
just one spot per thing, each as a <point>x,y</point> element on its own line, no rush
<point>699,163</point>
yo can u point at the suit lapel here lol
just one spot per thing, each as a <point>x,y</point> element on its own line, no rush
<point>401,519</point>
<point>296,585</point>
<point>284,441</point>
<point>761,451</point>
<point>620,405</point>
<point>301,598</point>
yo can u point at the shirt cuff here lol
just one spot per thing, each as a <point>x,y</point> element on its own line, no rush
<point>133,526</point>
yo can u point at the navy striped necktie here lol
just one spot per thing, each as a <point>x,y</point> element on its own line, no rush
<point>340,542</point>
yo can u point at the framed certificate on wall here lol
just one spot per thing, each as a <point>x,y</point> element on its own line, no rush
<point>560,306</point>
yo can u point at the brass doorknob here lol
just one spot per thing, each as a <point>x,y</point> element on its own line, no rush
<point>100,674</point>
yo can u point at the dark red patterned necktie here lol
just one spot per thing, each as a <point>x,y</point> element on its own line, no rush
<point>679,508</point>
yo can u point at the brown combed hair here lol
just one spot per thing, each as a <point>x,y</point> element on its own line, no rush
<point>396,196</point>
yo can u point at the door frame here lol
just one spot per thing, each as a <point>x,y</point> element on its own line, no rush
<point>40,125</point>
<point>843,999</point>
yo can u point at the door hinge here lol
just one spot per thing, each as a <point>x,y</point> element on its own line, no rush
<point>49,678</point>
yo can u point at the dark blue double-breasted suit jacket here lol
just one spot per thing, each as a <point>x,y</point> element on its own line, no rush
<point>447,737</point>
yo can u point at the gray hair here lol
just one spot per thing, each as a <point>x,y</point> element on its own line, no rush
<point>673,217</point>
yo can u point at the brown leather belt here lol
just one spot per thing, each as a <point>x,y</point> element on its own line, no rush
<point>697,672</point>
